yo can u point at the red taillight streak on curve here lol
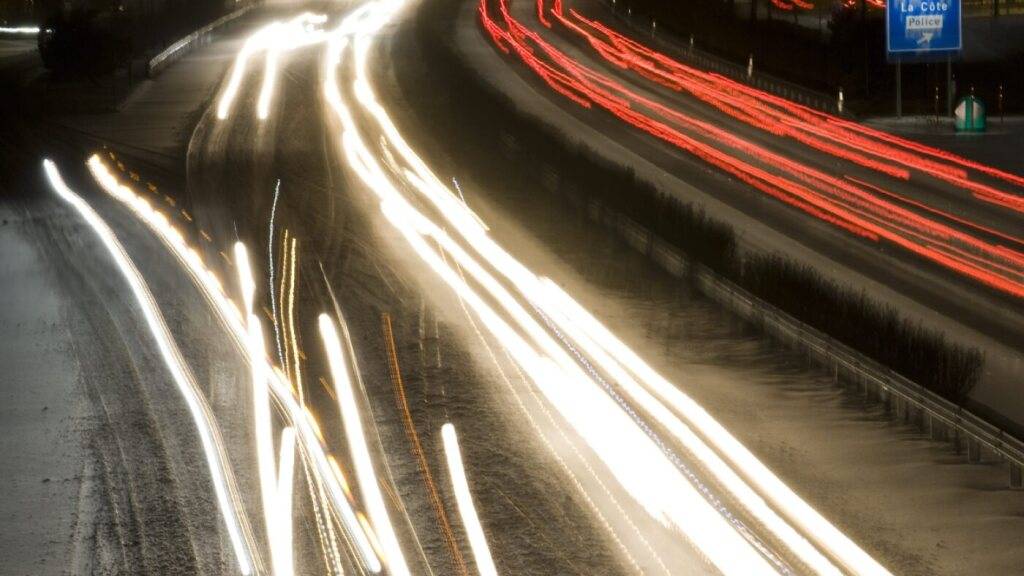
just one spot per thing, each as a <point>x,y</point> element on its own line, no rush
<point>943,213</point>
<point>716,89</point>
<point>833,185</point>
<point>949,175</point>
<point>954,264</point>
<point>823,124</point>
<point>578,85</point>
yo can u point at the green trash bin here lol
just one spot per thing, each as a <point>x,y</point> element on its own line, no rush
<point>970,115</point>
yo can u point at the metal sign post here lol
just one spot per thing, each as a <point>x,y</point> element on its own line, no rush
<point>950,90</point>
<point>899,89</point>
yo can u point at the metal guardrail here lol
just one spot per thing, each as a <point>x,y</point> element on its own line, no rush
<point>902,397</point>
<point>765,82</point>
<point>185,45</point>
<point>710,62</point>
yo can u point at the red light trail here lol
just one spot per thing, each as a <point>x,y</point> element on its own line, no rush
<point>865,210</point>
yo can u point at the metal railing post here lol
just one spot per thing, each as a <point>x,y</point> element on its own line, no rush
<point>973,451</point>
<point>1016,476</point>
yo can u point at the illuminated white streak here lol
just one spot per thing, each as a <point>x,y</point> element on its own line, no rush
<point>274,38</point>
<point>635,462</point>
<point>216,460</point>
<point>27,30</point>
<point>269,71</point>
<point>850,555</point>
<point>474,232</point>
<point>368,482</point>
<point>234,322</point>
<point>279,535</point>
<point>464,500</point>
<point>642,469</point>
<point>708,458</point>
<point>291,325</point>
<point>248,286</point>
<point>270,263</point>
<point>252,44</point>
<point>283,499</point>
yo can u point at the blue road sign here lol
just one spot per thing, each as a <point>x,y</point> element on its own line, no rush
<point>923,26</point>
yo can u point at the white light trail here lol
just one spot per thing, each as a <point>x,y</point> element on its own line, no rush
<point>275,487</point>
<point>464,500</point>
<point>229,314</point>
<point>283,499</point>
<point>274,39</point>
<point>270,264</point>
<point>245,278</point>
<point>636,462</point>
<point>286,482</point>
<point>223,484</point>
<point>291,326</point>
<point>278,527</point>
<point>734,468</point>
<point>252,45</point>
<point>270,70</point>
<point>394,559</point>
<point>852,556</point>
<point>24,30</point>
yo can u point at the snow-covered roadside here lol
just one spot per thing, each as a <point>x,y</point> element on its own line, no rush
<point>43,410</point>
<point>124,484</point>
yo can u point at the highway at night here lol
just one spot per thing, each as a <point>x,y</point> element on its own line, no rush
<point>285,322</point>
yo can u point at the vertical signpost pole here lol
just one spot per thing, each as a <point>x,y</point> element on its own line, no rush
<point>949,85</point>
<point>899,89</point>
